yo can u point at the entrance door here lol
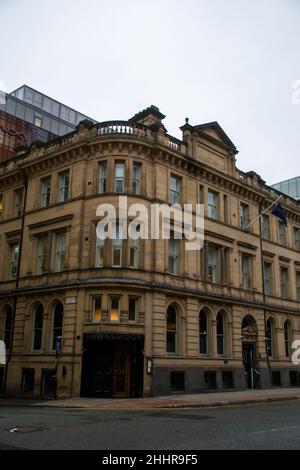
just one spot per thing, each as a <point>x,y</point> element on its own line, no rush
<point>249,362</point>
<point>121,380</point>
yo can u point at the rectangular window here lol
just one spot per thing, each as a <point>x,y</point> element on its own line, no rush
<point>201,194</point>
<point>246,262</point>
<point>175,189</point>
<point>97,311</point>
<point>114,309</point>
<point>212,266</point>
<point>102,177</point>
<point>281,233</point>
<point>27,381</point>
<point>136,178</point>
<point>174,251</point>
<point>268,278</point>
<point>132,309</point>
<point>99,255</point>
<point>38,120</point>
<point>117,244</point>
<point>226,209</point>
<point>119,177</point>
<point>244,216</point>
<point>60,252</point>
<point>42,255</point>
<point>14,255</point>
<point>18,202</point>
<point>177,380</point>
<point>213,209</point>
<point>48,382</point>
<point>296,233</point>
<point>298,285</point>
<point>265,227</point>
<point>134,253</point>
<point>64,186</point>
<point>1,206</point>
<point>46,191</point>
<point>284,280</point>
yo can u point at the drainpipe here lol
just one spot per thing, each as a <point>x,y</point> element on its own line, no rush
<point>25,183</point>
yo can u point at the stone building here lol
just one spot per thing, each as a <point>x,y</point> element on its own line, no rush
<point>140,318</point>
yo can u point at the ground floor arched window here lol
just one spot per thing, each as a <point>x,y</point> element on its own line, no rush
<point>172,329</point>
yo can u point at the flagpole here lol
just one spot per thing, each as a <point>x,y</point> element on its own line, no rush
<point>264,295</point>
<point>261,213</point>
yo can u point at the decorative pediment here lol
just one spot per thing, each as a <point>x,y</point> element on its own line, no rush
<point>215,131</point>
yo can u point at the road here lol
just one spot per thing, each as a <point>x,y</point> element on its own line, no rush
<point>263,426</point>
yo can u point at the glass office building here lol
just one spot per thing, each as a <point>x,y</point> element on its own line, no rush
<point>27,115</point>
<point>290,187</point>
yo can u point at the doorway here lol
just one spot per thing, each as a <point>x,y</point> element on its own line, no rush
<point>112,366</point>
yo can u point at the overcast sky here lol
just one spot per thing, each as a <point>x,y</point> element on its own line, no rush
<point>231,61</point>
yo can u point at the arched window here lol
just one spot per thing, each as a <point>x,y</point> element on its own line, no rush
<point>57,326</point>
<point>38,328</point>
<point>270,337</point>
<point>220,334</point>
<point>203,332</point>
<point>287,338</point>
<point>171,330</point>
<point>8,327</point>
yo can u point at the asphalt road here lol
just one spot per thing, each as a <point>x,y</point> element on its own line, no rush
<point>264,426</point>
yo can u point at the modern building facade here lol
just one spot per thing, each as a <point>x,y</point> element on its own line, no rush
<point>290,187</point>
<point>26,115</point>
<point>131,318</point>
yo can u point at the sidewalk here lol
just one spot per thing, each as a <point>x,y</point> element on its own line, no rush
<point>200,400</point>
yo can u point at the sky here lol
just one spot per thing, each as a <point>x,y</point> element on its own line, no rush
<point>232,61</point>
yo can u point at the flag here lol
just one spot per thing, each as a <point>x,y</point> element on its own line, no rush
<point>280,213</point>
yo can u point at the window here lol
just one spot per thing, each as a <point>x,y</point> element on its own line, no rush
<point>174,248</point>
<point>268,278</point>
<point>213,255</point>
<point>227,379</point>
<point>226,209</point>
<point>298,285</point>
<point>117,244</point>
<point>265,227</point>
<point>177,379</point>
<point>132,309</point>
<point>284,279</point>
<point>99,255</point>
<point>134,253</point>
<point>213,198</point>
<point>244,216</point>
<point>201,194</point>
<point>14,255</point>
<point>220,334</point>
<point>18,202</point>
<point>246,271</point>
<point>171,330</point>
<point>296,238</point>
<point>114,309</point>
<point>46,191</point>
<point>64,186</point>
<point>8,327</point>
<point>48,382</point>
<point>281,233</point>
<point>27,381</point>
<point>136,178</point>
<point>119,177</point>
<point>270,337</point>
<point>203,333</point>
<point>38,120</point>
<point>42,255</point>
<point>38,328</point>
<point>102,177</point>
<point>97,311</point>
<point>1,205</point>
<point>57,329</point>
<point>60,252</point>
<point>287,338</point>
<point>210,379</point>
<point>175,189</point>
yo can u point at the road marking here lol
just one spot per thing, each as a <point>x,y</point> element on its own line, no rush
<point>276,429</point>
